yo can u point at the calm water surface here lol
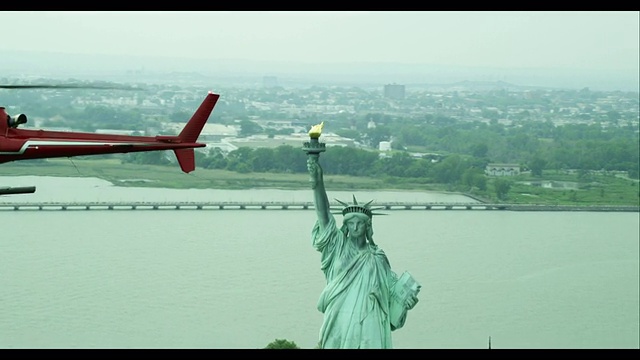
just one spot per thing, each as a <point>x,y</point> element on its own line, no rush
<point>243,278</point>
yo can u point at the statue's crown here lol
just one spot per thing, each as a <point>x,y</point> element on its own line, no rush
<point>357,208</point>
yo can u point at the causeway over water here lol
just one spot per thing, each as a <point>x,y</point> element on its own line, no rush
<point>244,205</point>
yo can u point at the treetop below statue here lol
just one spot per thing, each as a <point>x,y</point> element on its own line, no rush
<point>313,146</point>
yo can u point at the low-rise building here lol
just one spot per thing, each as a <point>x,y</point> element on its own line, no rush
<point>502,169</point>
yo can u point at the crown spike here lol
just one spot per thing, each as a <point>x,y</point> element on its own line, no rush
<point>355,202</point>
<point>342,202</point>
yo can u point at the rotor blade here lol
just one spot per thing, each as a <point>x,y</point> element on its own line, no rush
<point>70,86</point>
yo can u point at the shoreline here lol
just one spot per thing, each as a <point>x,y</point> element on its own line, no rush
<point>604,191</point>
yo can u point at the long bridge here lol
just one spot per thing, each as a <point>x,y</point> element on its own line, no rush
<point>291,205</point>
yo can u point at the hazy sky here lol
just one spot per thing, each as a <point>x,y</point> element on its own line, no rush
<point>513,39</point>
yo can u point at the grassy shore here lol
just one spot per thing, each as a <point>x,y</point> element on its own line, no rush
<point>589,190</point>
<point>134,175</point>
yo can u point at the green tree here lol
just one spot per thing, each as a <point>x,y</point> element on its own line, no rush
<point>449,170</point>
<point>240,160</point>
<point>216,159</point>
<point>148,157</point>
<point>501,187</point>
<point>537,164</point>
<point>263,160</point>
<point>474,177</point>
<point>180,116</point>
<point>282,344</point>
<point>479,150</point>
<point>248,127</point>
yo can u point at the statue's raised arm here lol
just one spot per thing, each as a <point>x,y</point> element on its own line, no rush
<point>313,148</point>
<point>320,199</point>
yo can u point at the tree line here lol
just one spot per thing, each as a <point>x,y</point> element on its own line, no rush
<point>464,151</point>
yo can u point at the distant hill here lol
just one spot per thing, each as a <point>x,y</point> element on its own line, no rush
<point>251,72</point>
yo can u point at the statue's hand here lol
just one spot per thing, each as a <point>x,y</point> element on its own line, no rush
<point>315,171</point>
<point>411,302</point>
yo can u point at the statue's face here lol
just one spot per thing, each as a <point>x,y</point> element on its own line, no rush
<point>357,226</point>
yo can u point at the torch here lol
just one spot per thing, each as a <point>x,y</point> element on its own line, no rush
<point>313,148</point>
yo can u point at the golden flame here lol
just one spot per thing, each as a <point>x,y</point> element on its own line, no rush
<point>316,130</point>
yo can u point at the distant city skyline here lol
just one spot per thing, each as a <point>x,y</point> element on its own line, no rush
<point>28,65</point>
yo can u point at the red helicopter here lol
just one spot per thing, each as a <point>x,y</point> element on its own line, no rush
<point>25,144</point>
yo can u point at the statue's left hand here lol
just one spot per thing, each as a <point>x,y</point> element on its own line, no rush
<point>411,302</point>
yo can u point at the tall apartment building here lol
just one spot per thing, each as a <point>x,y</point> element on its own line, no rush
<point>394,91</point>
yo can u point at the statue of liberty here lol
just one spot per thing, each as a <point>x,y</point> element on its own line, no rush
<point>363,300</point>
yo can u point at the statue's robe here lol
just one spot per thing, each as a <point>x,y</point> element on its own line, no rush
<point>355,301</point>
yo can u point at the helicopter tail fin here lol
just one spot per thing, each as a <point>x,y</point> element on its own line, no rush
<point>186,159</point>
<point>194,126</point>
<point>191,132</point>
